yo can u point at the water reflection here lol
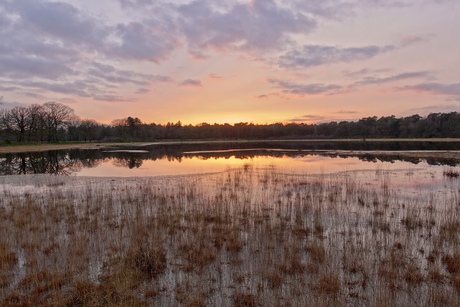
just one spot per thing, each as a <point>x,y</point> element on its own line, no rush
<point>392,158</point>
<point>50,162</point>
<point>199,158</point>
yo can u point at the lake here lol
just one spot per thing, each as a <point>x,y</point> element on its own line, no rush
<point>313,158</point>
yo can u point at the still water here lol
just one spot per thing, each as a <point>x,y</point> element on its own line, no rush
<point>183,159</point>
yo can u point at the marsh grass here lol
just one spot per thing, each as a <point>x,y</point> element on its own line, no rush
<point>246,237</point>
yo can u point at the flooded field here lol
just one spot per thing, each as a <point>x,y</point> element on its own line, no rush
<point>186,159</point>
<point>355,230</point>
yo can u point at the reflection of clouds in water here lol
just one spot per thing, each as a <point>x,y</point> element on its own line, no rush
<point>327,160</point>
<point>312,160</point>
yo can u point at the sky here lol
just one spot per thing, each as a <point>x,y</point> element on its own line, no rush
<point>260,61</point>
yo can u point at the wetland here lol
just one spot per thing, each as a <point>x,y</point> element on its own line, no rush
<point>245,225</point>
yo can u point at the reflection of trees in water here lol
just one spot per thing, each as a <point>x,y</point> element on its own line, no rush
<point>128,162</point>
<point>438,161</point>
<point>392,158</point>
<point>65,162</point>
<point>177,158</point>
<point>50,162</point>
<point>368,157</point>
<point>245,155</point>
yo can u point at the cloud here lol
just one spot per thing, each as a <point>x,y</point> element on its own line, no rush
<point>260,25</point>
<point>10,104</point>
<point>23,66</point>
<point>274,94</point>
<point>43,42</point>
<point>364,71</point>
<point>112,74</point>
<point>315,55</point>
<point>215,76</point>
<point>152,39</point>
<point>317,119</point>
<point>111,98</point>
<point>308,118</point>
<point>452,90</point>
<point>198,54</point>
<point>135,3</point>
<point>334,9</point>
<point>8,88</point>
<point>412,39</point>
<point>290,87</point>
<point>398,77</point>
<point>346,112</point>
<point>433,109</point>
<point>60,20</point>
<point>26,52</point>
<point>79,88</point>
<point>388,3</point>
<point>95,80</point>
<point>340,9</point>
<point>5,20</point>
<point>142,91</point>
<point>306,89</point>
<point>59,46</point>
<point>34,95</point>
<point>191,83</point>
<point>145,42</point>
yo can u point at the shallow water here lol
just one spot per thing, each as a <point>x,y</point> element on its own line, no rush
<point>305,164</point>
<point>311,159</point>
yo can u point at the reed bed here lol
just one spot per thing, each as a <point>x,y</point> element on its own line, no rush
<point>252,236</point>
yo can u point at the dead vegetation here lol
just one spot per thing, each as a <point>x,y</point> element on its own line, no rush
<point>246,237</point>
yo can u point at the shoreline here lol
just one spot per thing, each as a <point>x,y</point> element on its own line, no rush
<point>46,147</point>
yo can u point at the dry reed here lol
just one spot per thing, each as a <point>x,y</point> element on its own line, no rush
<point>245,237</point>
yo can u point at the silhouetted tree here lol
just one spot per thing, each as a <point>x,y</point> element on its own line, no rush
<point>55,117</point>
<point>19,121</point>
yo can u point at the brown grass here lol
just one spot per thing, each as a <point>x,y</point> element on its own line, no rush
<point>244,300</point>
<point>246,237</point>
<point>329,284</point>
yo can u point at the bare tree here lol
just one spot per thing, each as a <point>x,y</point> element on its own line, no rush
<point>89,129</point>
<point>82,129</point>
<point>56,116</point>
<point>19,121</point>
<point>4,119</point>
<point>36,123</point>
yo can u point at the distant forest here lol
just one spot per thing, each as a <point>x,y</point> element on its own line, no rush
<point>56,122</point>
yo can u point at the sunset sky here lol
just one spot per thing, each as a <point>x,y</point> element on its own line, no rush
<point>260,61</point>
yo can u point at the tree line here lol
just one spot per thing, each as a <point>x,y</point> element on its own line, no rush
<point>56,122</point>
